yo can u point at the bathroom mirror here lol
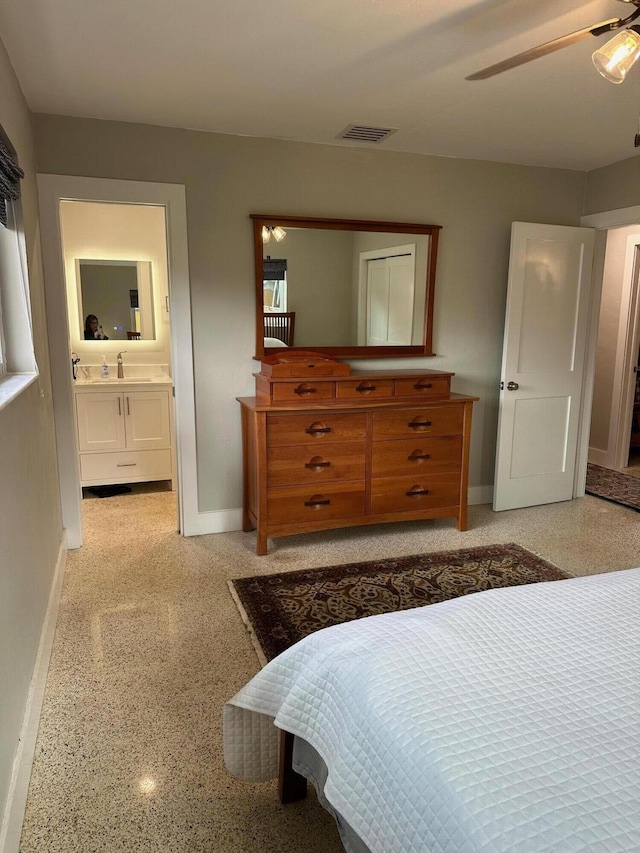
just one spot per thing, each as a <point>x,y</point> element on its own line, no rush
<point>115,300</point>
<point>350,288</point>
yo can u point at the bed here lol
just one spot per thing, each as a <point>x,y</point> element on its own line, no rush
<point>506,721</point>
<point>274,342</point>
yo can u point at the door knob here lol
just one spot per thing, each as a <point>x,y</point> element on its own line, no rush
<point>512,386</point>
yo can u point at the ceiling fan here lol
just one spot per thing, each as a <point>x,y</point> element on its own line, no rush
<point>613,60</point>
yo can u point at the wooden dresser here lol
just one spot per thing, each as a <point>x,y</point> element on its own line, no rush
<point>326,447</point>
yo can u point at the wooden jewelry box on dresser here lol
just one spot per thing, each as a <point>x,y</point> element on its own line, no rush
<point>326,447</point>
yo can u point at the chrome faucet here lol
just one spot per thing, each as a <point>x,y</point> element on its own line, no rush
<point>120,370</point>
<point>75,358</point>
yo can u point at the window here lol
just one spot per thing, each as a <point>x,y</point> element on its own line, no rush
<point>17,361</point>
<point>274,285</point>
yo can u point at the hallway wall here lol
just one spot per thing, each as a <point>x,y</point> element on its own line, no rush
<point>30,519</point>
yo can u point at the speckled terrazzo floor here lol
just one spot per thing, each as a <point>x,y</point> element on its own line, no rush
<point>149,645</point>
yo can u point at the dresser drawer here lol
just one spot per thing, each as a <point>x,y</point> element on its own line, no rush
<point>314,428</point>
<point>416,457</point>
<point>403,423</point>
<point>291,464</point>
<point>300,504</point>
<point>305,392</point>
<point>364,389</point>
<point>408,494</point>
<point>127,465</point>
<point>423,387</point>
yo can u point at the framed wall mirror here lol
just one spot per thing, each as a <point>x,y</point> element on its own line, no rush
<point>350,288</point>
<point>115,300</point>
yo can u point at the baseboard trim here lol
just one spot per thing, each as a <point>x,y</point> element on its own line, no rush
<point>228,520</point>
<point>599,457</point>
<point>216,521</point>
<point>11,829</point>
<point>480,495</point>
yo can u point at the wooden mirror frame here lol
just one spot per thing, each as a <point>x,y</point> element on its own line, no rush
<point>259,220</point>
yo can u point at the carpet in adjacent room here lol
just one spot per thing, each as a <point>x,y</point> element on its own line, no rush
<point>613,486</point>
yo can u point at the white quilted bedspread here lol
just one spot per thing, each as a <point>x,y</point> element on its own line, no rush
<point>506,721</point>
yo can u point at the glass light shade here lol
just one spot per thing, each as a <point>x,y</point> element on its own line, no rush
<point>279,233</point>
<point>266,234</point>
<point>615,58</point>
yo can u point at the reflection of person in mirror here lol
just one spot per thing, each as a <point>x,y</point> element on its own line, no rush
<point>93,329</point>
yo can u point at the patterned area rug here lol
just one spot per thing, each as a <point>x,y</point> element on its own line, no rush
<point>281,609</point>
<point>613,486</point>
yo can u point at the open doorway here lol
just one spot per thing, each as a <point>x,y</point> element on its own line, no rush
<point>614,440</point>
<point>117,289</point>
<point>54,191</point>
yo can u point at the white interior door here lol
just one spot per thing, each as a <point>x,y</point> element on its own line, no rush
<point>543,364</point>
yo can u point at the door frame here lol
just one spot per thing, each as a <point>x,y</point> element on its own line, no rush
<point>602,222</point>
<point>51,190</point>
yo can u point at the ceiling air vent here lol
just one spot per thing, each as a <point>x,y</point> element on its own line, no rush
<point>364,133</point>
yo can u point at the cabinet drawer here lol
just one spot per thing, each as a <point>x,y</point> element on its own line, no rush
<point>289,465</point>
<point>417,457</point>
<point>134,464</point>
<point>423,386</point>
<point>302,504</point>
<point>314,428</point>
<point>306,392</point>
<point>403,423</point>
<point>408,494</point>
<point>364,389</point>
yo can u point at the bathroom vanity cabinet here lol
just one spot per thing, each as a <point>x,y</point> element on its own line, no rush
<point>124,434</point>
<point>324,448</point>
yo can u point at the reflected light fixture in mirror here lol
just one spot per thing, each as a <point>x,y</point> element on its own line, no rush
<point>275,231</point>
<point>354,288</point>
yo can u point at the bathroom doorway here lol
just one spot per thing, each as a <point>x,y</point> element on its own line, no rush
<point>167,299</point>
<point>117,286</point>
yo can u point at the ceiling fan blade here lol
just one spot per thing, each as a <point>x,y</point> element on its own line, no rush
<point>544,49</point>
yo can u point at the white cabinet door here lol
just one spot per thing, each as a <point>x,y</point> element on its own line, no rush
<point>100,421</point>
<point>543,364</point>
<point>147,419</point>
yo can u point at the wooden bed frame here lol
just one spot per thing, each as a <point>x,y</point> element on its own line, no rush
<point>291,785</point>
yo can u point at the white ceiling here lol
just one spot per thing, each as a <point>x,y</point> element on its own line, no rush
<point>305,69</point>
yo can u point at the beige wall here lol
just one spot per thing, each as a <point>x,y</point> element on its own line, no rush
<point>30,519</point>
<point>228,177</point>
<point>613,187</point>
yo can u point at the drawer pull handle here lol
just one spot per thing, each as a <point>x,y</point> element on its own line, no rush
<point>304,389</point>
<point>418,456</point>
<point>126,464</point>
<point>419,424</point>
<point>317,430</point>
<point>317,501</point>
<point>364,389</point>
<point>416,492</point>
<point>421,386</point>
<point>316,464</point>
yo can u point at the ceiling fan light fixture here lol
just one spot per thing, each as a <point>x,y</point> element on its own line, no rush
<point>615,59</point>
